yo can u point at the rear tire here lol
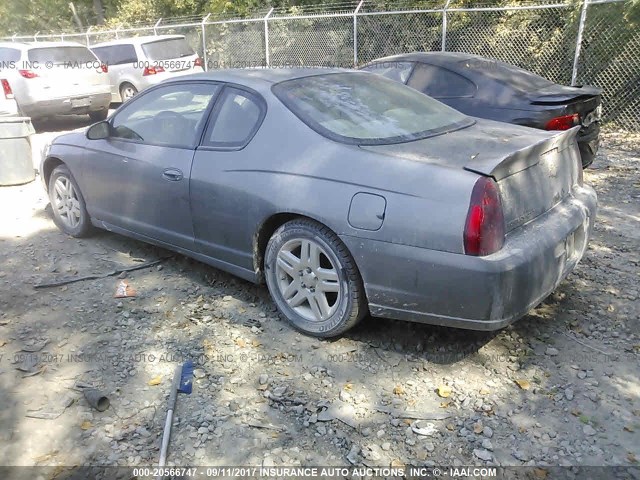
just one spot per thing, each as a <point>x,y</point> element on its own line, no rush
<point>99,116</point>
<point>127,92</point>
<point>69,208</point>
<point>313,279</point>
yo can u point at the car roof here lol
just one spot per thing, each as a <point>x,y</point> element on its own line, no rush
<point>29,45</point>
<point>135,40</point>
<point>260,77</point>
<point>434,58</point>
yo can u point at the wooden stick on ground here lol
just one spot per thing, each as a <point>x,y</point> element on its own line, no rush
<point>66,281</point>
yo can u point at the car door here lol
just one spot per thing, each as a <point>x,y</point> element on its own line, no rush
<point>223,208</point>
<point>138,178</point>
<point>444,85</point>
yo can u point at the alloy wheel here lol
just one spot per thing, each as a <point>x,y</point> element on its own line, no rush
<point>308,279</point>
<point>66,202</point>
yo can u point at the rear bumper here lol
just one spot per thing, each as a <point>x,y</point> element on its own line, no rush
<point>8,108</point>
<point>68,105</point>
<point>589,143</point>
<point>479,293</point>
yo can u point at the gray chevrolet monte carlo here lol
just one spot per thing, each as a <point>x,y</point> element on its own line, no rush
<point>346,192</point>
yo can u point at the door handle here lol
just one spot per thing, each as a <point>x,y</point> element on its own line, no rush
<point>172,174</point>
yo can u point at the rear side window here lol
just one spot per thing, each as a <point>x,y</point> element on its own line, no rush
<point>9,55</point>
<point>59,55</point>
<point>440,83</point>
<point>116,54</point>
<point>167,49</point>
<point>237,118</point>
<point>398,71</point>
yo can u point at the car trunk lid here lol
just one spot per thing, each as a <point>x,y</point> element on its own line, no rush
<point>534,169</point>
<point>534,179</point>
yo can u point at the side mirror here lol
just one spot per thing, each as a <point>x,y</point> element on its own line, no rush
<point>99,131</point>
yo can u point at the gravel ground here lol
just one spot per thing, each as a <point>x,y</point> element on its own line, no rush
<point>558,388</point>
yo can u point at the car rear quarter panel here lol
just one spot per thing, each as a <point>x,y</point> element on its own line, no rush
<point>289,168</point>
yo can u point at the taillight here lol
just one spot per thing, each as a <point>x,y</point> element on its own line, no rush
<point>564,122</point>
<point>484,229</point>
<point>27,73</point>
<point>152,70</point>
<point>197,62</point>
<point>8,93</point>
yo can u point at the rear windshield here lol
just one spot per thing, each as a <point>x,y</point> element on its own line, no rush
<point>366,109</point>
<point>167,49</point>
<point>61,55</point>
<point>9,55</point>
<point>516,77</point>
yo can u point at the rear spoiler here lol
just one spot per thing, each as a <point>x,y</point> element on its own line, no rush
<point>500,168</point>
<point>560,94</point>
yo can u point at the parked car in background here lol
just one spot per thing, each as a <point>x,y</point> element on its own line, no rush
<point>139,62</point>
<point>487,88</point>
<point>347,192</point>
<point>8,105</point>
<point>56,78</point>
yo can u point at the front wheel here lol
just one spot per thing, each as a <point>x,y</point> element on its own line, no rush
<point>313,279</point>
<point>69,209</point>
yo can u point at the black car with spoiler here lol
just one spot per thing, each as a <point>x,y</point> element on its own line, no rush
<point>486,88</point>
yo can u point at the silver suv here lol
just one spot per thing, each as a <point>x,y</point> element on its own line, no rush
<point>139,62</point>
<point>56,78</point>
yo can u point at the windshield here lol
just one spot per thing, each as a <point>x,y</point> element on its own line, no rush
<point>167,49</point>
<point>366,109</point>
<point>59,55</point>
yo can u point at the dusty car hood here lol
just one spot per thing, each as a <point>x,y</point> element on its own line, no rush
<point>77,137</point>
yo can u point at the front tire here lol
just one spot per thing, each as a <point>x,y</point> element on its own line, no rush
<point>313,279</point>
<point>69,208</point>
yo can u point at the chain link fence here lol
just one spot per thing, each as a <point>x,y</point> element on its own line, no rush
<point>595,42</point>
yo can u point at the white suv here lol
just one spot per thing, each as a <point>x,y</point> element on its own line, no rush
<point>139,62</point>
<point>56,78</point>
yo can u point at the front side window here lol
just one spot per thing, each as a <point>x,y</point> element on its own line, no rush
<point>361,108</point>
<point>169,115</point>
<point>116,54</point>
<point>398,71</point>
<point>440,83</point>
<point>61,55</point>
<point>167,49</point>
<point>237,118</point>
